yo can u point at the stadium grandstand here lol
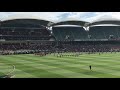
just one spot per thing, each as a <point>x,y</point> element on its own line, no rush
<point>24,29</point>
<point>87,37</point>
<point>69,30</point>
<point>24,35</point>
<point>33,35</point>
<point>108,29</point>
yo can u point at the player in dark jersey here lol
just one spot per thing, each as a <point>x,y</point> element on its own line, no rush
<point>90,67</point>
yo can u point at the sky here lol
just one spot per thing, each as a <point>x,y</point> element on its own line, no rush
<point>61,16</point>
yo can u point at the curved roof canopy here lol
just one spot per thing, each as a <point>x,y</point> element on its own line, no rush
<point>67,26</point>
<point>24,23</point>
<point>70,22</point>
<point>113,22</point>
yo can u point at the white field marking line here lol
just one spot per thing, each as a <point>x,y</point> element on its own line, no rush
<point>17,70</point>
<point>12,70</point>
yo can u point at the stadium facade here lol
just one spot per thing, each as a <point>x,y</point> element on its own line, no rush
<point>33,35</point>
<point>35,29</point>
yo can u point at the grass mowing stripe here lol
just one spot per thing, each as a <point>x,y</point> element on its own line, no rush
<point>87,68</point>
<point>17,70</point>
<point>106,61</point>
<point>62,64</point>
<point>8,69</point>
<point>63,72</point>
<point>73,60</point>
<point>101,63</point>
<point>25,68</point>
<point>107,72</point>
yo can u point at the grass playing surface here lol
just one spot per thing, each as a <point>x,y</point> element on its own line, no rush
<point>106,65</point>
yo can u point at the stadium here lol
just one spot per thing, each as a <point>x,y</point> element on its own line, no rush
<point>36,48</point>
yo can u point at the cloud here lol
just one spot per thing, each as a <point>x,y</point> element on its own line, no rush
<point>76,16</point>
<point>104,16</point>
<point>52,16</point>
<point>61,16</point>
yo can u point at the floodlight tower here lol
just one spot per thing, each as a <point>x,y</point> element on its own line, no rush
<point>87,27</point>
<point>49,27</point>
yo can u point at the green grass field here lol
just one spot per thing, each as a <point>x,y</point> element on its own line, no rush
<point>106,65</point>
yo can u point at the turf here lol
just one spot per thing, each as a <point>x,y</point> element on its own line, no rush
<point>106,65</point>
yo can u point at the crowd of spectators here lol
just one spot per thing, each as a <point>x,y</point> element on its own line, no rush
<point>26,48</point>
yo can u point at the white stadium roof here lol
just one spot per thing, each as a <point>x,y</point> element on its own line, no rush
<point>21,16</point>
<point>104,25</point>
<point>105,18</point>
<point>67,26</point>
